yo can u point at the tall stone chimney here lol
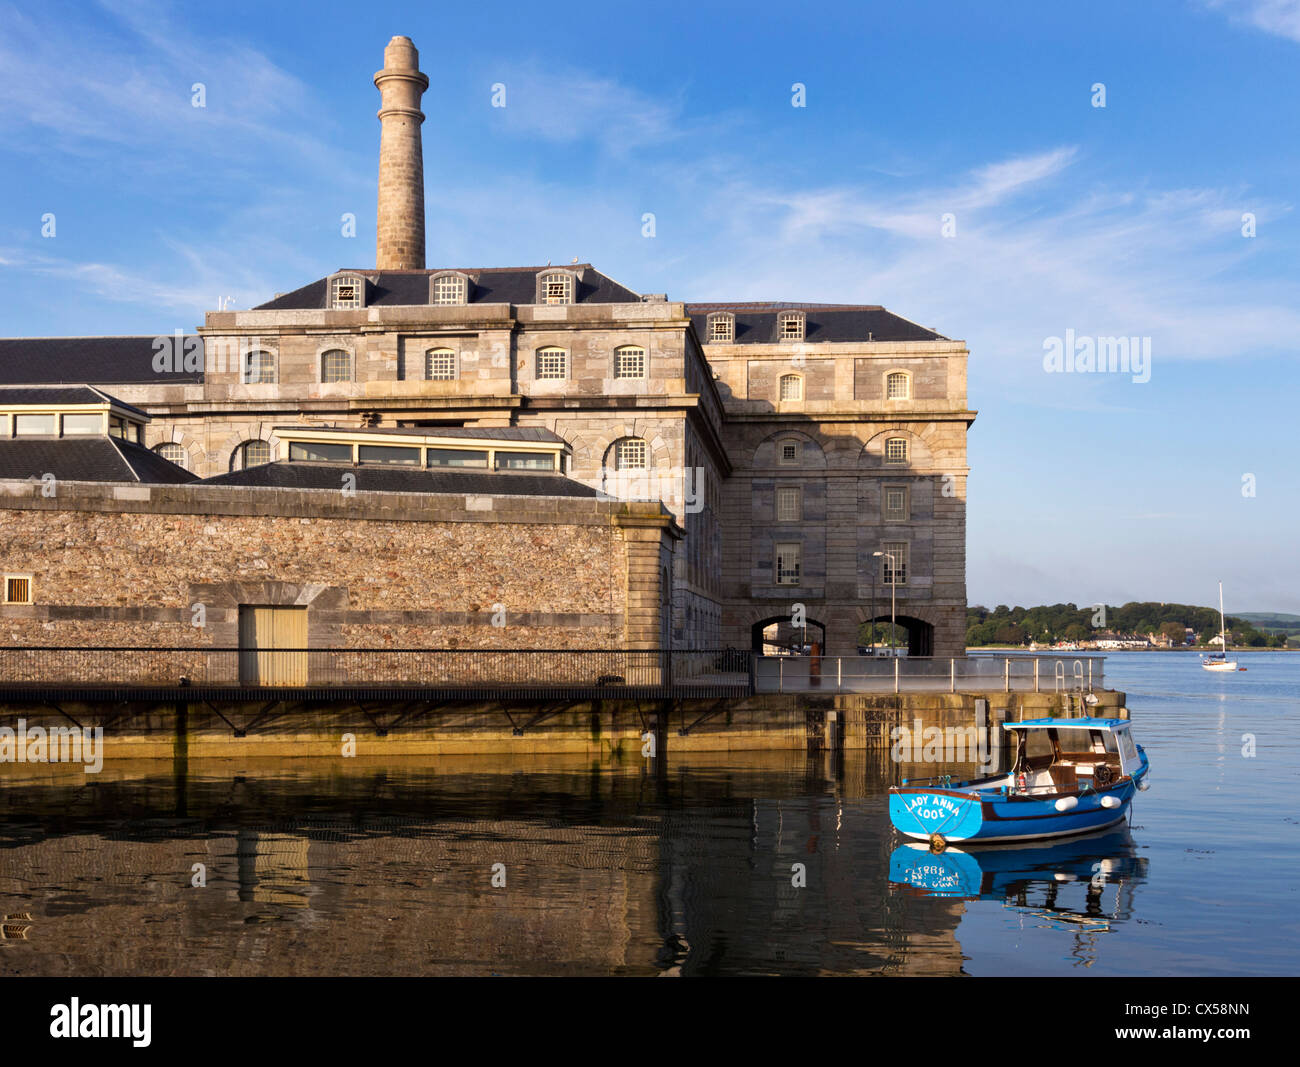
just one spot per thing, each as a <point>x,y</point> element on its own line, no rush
<point>400,228</point>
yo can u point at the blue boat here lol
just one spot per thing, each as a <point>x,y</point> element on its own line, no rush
<point>1069,776</point>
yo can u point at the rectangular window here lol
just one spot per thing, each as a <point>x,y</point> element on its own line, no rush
<point>896,386</point>
<point>18,588</point>
<point>722,328</point>
<point>525,461</point>
<point>36,425</point>
<point>789,504</point>
<point>629,363</point>
<point>787,453</point>
<point>791,327</point>
<point>456,457</point>
<point>896,450</point>
<point>896,503</point>
<point>894,563</point>
<point>552,363</point>
<point>314,452</point>
<point>787,564</point>
<point>409,457</point>
<point>791,387</point>
<point>75,425</point>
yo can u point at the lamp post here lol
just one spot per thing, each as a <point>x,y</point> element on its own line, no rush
<point>893,593</point>
<point>873,612</point>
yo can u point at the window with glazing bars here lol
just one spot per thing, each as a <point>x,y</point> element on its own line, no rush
<point>893,563</point>
<point>336,366</point>
<point>630,455</point>
<point>787,564</point>
<point>552,363</point>
<point>629,362</point>
<point>440,365</point>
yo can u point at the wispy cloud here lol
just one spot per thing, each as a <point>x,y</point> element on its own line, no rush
<point>567,106</point>
<point>1279,17</point>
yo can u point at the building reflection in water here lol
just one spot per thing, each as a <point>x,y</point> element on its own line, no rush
<point>607,869</point>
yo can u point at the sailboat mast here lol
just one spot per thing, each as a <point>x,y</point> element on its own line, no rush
<point>1223,626</point>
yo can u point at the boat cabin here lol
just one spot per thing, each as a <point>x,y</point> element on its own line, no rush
<point>1065,755</point>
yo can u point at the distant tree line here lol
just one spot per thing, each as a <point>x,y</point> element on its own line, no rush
<point>1067,622</point>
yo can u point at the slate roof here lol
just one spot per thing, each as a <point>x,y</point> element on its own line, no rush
<point>756,323</point>
<point>92,360</point>
<point>396,479</point>
<point>60,395</point>
<point>86,459</point>
<point>489,285</point>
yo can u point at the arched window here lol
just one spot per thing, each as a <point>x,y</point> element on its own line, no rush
<point>259,368</point>
<point>174,453</point>
<point>440,365</point>
<point>629,362</point>
<point>631,454</point>
<point>791,387</point>
<point>347,292</point>
<point>250,454</point>
<point>335,366</point>
<point>897,385</point>
<point>449,288</point>
<point>552,363</point>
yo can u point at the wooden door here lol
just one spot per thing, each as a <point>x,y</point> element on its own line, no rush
<point>264,636</point>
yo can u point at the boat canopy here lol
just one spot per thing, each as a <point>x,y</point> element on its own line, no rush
<point>1068,724</point>
<point>1121,736</point>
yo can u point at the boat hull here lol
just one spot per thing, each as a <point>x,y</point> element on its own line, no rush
<point>988,815</point>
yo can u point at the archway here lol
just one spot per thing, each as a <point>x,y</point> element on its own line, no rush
<point>768,636</point>
<point>920,634</point>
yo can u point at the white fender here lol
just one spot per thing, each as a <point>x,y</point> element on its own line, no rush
<point>1110,802</point>
<point>1067,803</point>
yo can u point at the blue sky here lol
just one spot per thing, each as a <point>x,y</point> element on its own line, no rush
<point>1123,220</point>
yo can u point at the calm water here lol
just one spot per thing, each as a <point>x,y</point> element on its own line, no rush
<point>355,868</point>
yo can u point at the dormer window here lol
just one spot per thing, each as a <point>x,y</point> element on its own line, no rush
<point>347,291</point>
<point>790,326</point>
<point>450,288</point>
<point>722,328</point>
<point>555,287</point>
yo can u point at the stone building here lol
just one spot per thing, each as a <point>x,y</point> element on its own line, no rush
<point>812,457</point>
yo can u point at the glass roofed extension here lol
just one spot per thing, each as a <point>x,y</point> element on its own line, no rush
<point>493,449</point>
<point>67,411</point>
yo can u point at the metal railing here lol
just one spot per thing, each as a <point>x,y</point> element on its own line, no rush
<point>897,674</point>
<point>709,672</point>
<point>596,671</point>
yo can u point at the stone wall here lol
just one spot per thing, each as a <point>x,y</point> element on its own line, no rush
<point>119,565</point>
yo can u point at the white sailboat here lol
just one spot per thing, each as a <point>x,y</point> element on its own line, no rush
<point>1220,662</point>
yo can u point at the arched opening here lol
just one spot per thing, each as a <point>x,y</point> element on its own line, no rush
<point>915,634</point>
<point>777,636</point>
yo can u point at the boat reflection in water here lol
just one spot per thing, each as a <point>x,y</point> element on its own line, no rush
<point>1087,881</point>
